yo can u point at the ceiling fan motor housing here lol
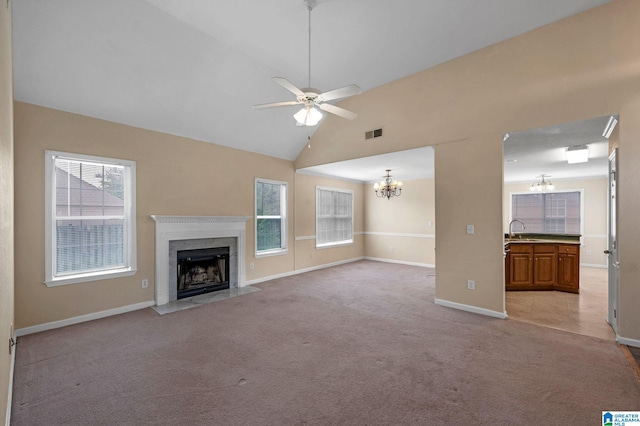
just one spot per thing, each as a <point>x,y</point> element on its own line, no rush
<point>310,95</point>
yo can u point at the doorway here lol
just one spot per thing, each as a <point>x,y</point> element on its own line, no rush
<point>530,156</point>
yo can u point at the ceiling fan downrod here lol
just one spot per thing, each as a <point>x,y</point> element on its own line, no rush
<point>310,5</point>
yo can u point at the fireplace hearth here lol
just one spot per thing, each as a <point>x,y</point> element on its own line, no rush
<point>202,271</point>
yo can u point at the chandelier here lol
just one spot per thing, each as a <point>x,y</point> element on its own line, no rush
<point>542,185</point>
<point>388,187</point>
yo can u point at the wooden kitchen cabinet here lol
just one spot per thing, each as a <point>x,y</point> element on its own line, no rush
<point>520,267</point>
<point>543,266</point>
<point>568,268</point>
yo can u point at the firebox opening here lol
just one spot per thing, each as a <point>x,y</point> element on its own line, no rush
<point>202,271</point>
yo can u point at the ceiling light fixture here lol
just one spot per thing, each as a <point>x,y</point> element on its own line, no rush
<point>608,129</point>
<point>542,185</point>
<point>577,154</point>
<point>388,187</point>
<point>307,116</point>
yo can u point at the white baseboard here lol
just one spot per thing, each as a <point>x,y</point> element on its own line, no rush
<point>83,318</point>
<point>628,342</point>
<point>469,308</point>
<point>12,366</point>
<point>302,271</point>
<point>401,262</point>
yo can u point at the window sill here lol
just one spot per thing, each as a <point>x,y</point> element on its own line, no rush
<point>336,244</point>
<point>268,253</point>
<point>95,276</point>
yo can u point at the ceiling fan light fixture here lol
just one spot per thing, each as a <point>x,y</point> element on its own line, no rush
<point>308,116</point>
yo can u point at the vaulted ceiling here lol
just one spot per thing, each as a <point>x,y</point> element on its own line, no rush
<point>194,67</point>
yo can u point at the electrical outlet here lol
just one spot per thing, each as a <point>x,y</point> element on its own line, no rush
<point>390,249</point>
<point>470,229</point>
<point>145,283</point>
<point>251,265</point>
<point>588,252</point>
<point>471,285</point>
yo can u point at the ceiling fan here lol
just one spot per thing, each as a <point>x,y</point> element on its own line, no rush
<point>311,98</point>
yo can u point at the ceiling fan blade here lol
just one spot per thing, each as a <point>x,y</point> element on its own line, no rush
<point>343,92</point>
<point>338,111</point>
<point>288,85</point>
<point>275,104</point>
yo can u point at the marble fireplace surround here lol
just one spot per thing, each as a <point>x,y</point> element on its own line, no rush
<point>182,228</point>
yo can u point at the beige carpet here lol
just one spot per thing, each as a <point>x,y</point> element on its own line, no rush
<point>358,344</point>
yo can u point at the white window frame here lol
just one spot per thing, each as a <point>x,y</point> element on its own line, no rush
<point>284,190</point>
<point>130,257</point>
<point>581,191</point>
<point>334,243</point>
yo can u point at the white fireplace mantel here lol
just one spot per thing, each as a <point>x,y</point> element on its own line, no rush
<point>171,228</point>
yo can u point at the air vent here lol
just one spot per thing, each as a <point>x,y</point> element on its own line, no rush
<point>373,134</point>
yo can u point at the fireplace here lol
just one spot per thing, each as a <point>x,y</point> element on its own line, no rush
<point>177,233</point>
<point>202,271</point>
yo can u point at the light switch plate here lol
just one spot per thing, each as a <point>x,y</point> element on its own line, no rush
<point>470,229</point>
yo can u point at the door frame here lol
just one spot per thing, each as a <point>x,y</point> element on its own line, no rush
<point>612,242</point>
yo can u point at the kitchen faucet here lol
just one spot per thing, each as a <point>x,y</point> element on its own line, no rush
<point>511,233</point>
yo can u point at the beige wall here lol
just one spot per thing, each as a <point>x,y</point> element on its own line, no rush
<point>469,192</point>
<point>580,67</point>
<point>594,237</point>
<point>175,176</point>
<point>6,205</point>
<point>306,254</point>
<point>401,229</point>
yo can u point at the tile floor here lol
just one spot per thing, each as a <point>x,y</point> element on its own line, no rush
<point>583,313</point>
<point>190,302</point>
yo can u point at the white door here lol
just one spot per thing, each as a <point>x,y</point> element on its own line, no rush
<point>612,249</point>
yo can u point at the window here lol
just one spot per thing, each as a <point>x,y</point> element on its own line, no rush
<point>334,217</point>
<point>90,218</point>
<point>271,217</point>
<point>551,213</point>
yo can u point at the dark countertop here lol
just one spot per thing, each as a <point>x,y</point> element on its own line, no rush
<point>531,238</point>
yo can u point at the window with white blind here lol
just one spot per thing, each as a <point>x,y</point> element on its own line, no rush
<point>90,218</point>
<point>549,212</point>
<point>334,217</point>
<point>271,217</point>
